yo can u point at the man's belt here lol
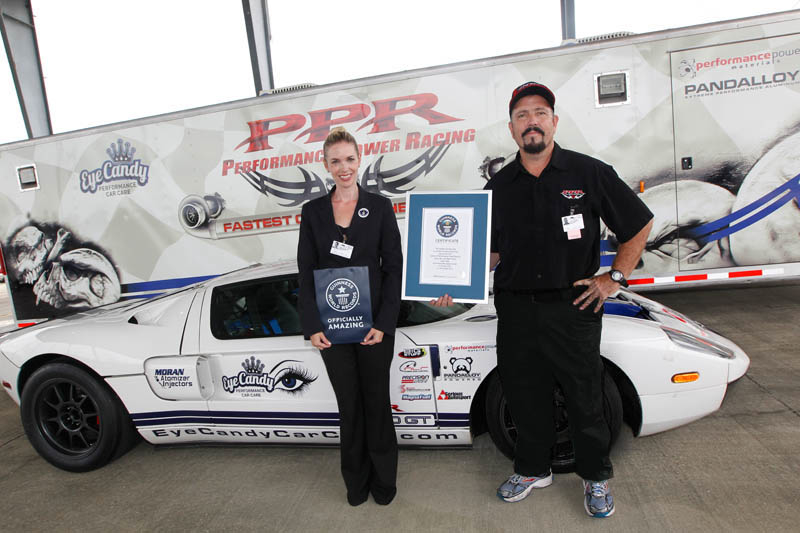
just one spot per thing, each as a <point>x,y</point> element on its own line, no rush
<point>545,295</point>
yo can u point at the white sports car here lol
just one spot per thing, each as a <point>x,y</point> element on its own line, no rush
<point>224,361</point>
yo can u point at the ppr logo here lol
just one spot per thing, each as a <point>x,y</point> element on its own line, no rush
<point>383,117</point>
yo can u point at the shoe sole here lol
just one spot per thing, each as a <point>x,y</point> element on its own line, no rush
<point>542,483</point>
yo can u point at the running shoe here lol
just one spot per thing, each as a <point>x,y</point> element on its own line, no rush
<point>518,487</point>
<point>598,500</point>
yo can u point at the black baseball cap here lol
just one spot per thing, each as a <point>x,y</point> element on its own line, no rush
<point>528,88</point>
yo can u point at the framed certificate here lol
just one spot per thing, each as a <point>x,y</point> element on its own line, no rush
<point>447,246</point>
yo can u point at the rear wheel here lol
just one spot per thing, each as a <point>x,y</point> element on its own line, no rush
<point>72,419</point>
<point>504,433</point>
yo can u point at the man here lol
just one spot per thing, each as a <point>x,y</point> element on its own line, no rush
<point>547,206</point>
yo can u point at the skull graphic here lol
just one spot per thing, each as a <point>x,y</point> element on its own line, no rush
<point>29,251</point>
<point>79,279</point>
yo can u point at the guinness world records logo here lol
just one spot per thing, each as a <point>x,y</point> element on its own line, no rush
<point>447,226</point>
<point>342,295</point>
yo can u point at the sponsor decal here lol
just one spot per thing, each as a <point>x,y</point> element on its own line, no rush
<point>447,226</point>
<point>412,353</point>
<point>735,85</point>
<point>414,420</point>
<point>170,378</point>
<point>342,295</point>
<point>460,369</point>
<point>428,436</point>
<point>415,378</point>
<point>444,395</point>
<point>411,388</point>
<point>469,348</point>
<point>572,194</point>
<point>252,433</point>
<point>414,397</point>
<point>413,366</point>
<point>288,376</point>
<point>120,167</point>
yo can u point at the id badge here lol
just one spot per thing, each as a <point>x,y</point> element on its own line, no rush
<point>341,249</point>
<point>572,224</point>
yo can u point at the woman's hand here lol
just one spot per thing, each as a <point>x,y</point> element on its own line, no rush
<point>442,301</point>
<point>373,337</point>
<point>319,341</point>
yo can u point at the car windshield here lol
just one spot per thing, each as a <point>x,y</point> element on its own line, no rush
<point>418,313</point>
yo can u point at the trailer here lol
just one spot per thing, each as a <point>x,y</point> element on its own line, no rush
<point>702,122</point>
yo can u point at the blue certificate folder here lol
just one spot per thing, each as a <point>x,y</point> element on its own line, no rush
<point>344,304</point>
<point>480,202</point>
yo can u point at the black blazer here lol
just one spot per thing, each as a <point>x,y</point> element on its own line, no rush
<point>376,244</point>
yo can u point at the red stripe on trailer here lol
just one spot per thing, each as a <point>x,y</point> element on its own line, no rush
<point>744,273</point>
<point>692,277</point>
<point>640,281</point>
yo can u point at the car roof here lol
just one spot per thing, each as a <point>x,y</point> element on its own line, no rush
<point>256,271</point>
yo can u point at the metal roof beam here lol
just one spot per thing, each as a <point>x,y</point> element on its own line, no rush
<point>256,21</point>
<point>22,49</point>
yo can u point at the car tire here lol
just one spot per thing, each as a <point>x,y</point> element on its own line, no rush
<point>503,432</point>
<point>73,419</point>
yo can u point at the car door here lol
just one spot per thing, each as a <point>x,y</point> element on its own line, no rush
<point>269,384</point>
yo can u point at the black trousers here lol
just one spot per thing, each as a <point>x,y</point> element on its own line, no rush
<point>360,378</point>
<point>540,341</point>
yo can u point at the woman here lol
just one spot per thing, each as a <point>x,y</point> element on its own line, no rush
<point>359,372</point>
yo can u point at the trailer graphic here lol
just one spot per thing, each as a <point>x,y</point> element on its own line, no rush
<point>702,122</point>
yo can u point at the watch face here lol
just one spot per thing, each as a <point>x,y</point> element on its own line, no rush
<point>616,275</point>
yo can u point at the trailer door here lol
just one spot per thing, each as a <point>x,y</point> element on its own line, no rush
<point>736,115</point>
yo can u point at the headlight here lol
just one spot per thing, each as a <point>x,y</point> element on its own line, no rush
<point>687,340</point>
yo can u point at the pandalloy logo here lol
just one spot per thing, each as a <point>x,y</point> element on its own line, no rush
<point>747,83</point>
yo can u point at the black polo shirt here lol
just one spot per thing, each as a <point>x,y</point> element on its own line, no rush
<point>527,230</point>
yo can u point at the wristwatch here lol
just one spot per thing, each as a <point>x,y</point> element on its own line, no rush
<point>619,277</point>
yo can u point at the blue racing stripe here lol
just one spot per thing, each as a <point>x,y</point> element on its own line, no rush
<point>163,284</point>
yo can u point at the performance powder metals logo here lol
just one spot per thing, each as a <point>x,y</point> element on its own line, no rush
<point>342,295</point>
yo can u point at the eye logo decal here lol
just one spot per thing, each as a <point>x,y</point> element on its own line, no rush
<point>288,376</point>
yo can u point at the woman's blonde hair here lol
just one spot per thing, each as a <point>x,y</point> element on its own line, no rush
<point>339,135</point>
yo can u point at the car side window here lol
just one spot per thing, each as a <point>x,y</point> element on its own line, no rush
<point>255,309</point>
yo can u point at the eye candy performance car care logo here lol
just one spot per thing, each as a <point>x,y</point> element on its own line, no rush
<point>342,295</point>
<point>572,194</point>
<point>121,166</point>
<point>447,226</point>
<point>286,376</point>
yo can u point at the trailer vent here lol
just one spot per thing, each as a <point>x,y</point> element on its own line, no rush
<point>604,37</point>
<point>28,179</point>
<point>612,88</point>
<point>288,89</point>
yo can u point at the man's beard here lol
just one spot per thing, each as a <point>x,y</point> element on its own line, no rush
<point>533,147</point>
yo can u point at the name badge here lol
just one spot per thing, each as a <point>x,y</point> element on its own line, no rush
<point>572,222</point>
<point>341,249</point>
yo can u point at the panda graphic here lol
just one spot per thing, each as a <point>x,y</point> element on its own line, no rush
<point>461,365</point>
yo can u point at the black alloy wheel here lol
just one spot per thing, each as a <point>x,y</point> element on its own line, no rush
<point>73,419</point>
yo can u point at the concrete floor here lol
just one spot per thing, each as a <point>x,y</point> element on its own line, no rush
<point>735,470</point>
